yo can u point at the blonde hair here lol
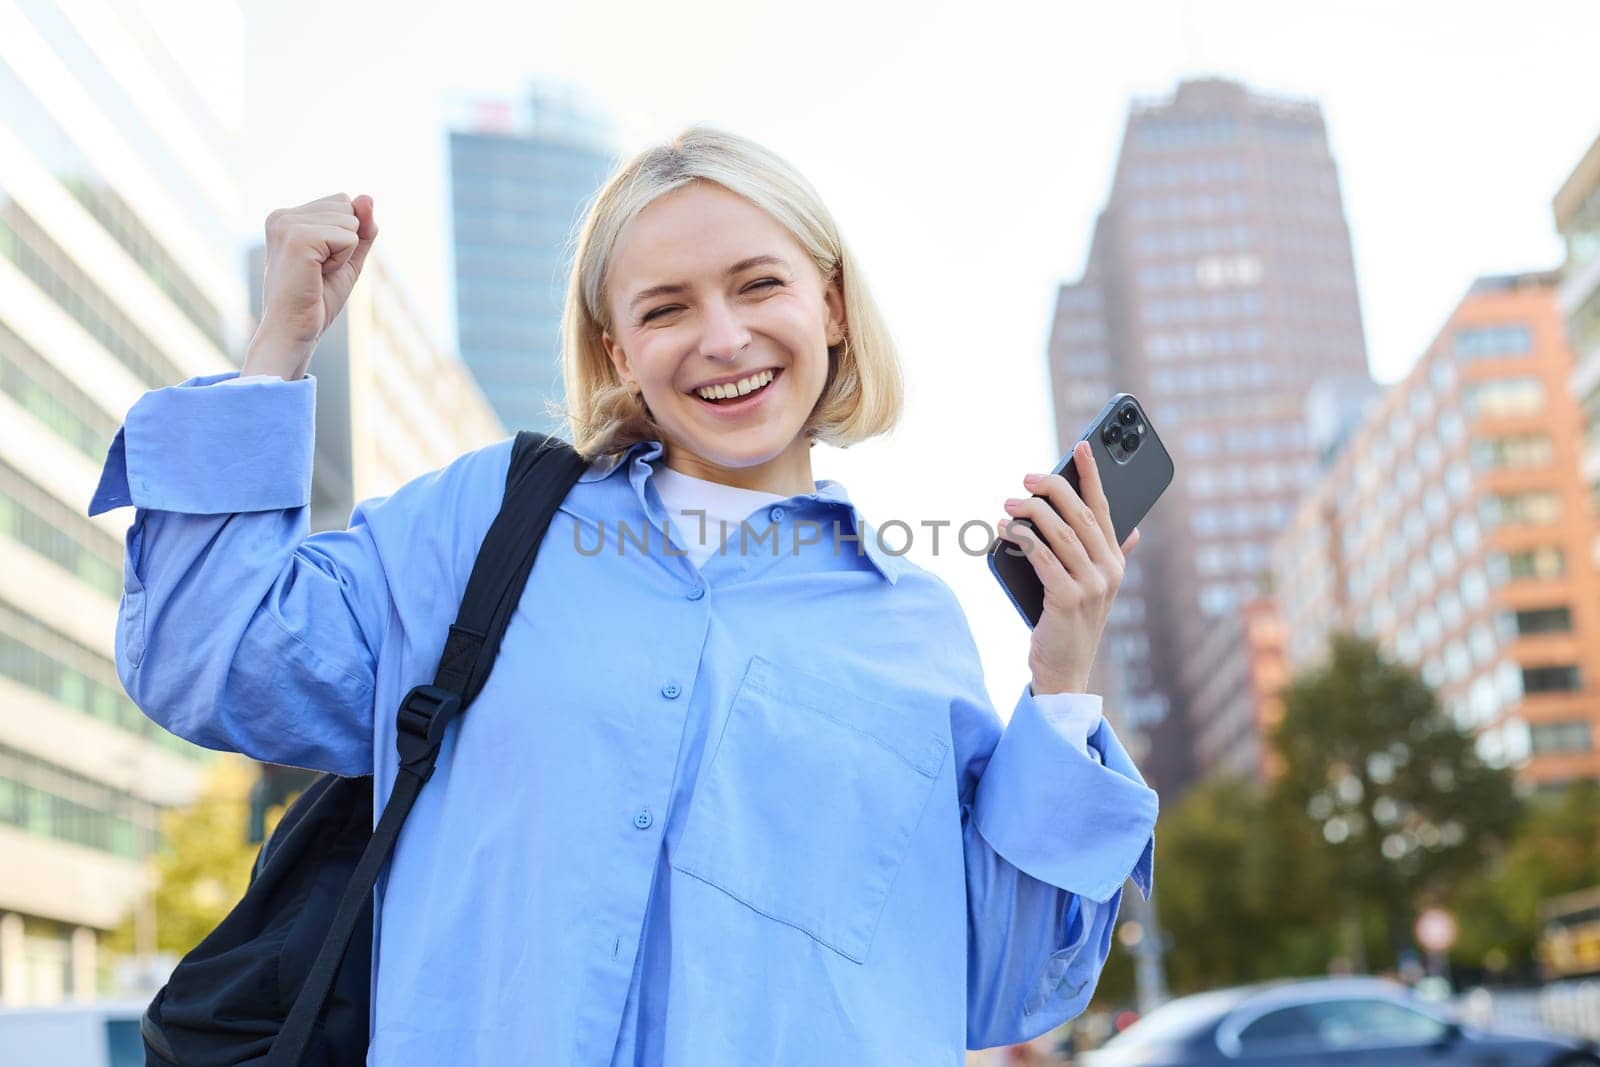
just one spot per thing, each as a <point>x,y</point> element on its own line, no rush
<point>864,392</point>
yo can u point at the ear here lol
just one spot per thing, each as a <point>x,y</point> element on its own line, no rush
<point>619,358</point>
<point>833,297</point>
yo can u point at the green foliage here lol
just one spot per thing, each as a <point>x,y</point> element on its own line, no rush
<point>1394,788</point>
<point>203,864</point>
<point>1239,889</point>
<point>1556,851</point>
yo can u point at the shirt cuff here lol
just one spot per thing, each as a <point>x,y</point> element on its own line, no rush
<point>199,451</point>
<point>243,378</point>
<point>1076,716</point>
<point>1053,811</point>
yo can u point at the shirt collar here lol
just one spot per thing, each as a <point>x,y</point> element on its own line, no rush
<point>637,458</point>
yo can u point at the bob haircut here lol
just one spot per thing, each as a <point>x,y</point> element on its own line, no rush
<point>863,394</point>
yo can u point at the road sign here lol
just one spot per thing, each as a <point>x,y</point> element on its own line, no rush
<point>1436,930</point>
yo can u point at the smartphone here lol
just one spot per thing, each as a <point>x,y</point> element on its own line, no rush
<point>1135,468</point>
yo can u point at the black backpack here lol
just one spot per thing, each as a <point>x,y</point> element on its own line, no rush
<point>253,991</point>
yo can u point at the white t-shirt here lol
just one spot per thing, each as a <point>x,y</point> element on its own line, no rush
<point>704,513</point>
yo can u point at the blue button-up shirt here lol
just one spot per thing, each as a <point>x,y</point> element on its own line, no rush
<point>762,811</point>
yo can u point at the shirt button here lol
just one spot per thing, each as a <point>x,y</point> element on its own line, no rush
<point>670,690</point>
<point>696,593</point>
<point>775,514</point>
<point>643,819</point>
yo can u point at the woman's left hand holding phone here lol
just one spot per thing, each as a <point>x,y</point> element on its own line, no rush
<point>1080,565</point>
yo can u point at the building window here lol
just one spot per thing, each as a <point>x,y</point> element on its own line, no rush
<point>1544,562</point>
<point>47,265</point>
<point>1573,736</point>
<point>58,668</point>
<point>49,396</point>
<point>1486,342</point>
<point>38,521</point>
<point>1484,645</point>
<point>1556,678</point>
<point>41,798</point>
<point>1514,452</point>
<point>1539,507</point>
<point>1505,396</point>
<point>1217,598</point>
<point>1557,620</point>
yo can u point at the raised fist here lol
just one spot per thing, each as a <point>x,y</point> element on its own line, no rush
<point>314,255</point>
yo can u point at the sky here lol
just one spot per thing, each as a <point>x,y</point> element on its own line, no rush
<point>965,150</point>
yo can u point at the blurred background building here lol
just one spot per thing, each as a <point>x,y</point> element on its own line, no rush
<point>1220,290</point>
<point>1577,215</point>
<point>118,273</point>
<point>521,172</point>
<point>1456,530</point>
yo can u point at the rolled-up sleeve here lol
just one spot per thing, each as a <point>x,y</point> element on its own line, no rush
<point>235,629</point>
<point>213,451</point>
<point>1052,828</point>
<point>1081,821</point>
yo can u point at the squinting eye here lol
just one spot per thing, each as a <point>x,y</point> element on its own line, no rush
<point>762,283</point>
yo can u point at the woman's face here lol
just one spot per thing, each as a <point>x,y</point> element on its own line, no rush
<point>707,289</point>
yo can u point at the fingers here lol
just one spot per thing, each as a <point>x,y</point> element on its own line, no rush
<point>1052,575</point>
<point>345,221</point>
<point>1064,542</point>
<point>343,229</point>
<point>363,207</point>
<point>1082,517</point>
<point>332,202</point>
<point>367,231</point>
<point>1092,490</point>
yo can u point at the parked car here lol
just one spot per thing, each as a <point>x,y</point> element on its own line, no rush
<point>76,1034</point>
<point>1324,1022</point>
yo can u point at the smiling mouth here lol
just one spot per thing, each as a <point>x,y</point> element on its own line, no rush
<point>732,398</point>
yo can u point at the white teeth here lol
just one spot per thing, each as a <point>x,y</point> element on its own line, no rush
<point>739,388</point>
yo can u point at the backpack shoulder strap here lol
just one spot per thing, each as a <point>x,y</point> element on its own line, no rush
<point>543,470</point>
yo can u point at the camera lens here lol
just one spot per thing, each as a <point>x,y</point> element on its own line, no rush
<point>1128,414</point>
<point>1130,442</point>
<point>1111,434</point>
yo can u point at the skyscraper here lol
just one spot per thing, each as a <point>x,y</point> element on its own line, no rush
<point>521,173</point>
<point>1220,290</point>
<point>117,275</point>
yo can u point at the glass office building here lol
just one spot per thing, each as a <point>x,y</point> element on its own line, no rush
<point>521,174</point>
<point>118,274</point>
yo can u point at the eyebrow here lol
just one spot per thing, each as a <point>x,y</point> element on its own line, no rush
<point>679,287</point>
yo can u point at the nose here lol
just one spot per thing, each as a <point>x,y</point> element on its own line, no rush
<point>723,336</point>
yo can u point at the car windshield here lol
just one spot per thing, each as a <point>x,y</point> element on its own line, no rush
<point>1176,1019</point>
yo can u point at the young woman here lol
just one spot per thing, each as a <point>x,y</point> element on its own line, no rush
<point>736,800</point>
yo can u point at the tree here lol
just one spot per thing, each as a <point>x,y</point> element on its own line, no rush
<point>1392,785</point>
<point>1243,889</point>
<point>203,862</point>
<point>1557,850</point>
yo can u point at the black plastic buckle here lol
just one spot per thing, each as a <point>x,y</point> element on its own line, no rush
<point>420,723</point>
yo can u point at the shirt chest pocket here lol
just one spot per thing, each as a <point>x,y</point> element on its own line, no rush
<point>807,806</point>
